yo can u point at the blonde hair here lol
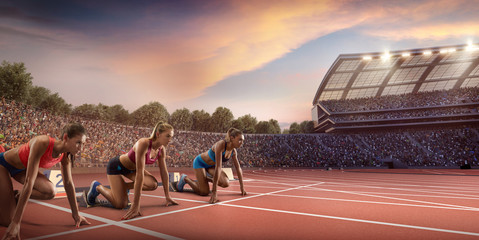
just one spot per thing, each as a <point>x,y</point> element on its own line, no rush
<point>232,132</point>
<point>160,127</point>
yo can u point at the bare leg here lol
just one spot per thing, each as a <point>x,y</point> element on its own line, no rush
<point>223,181</point>
<point>117,193</point>
<point>7,199</point>
<point>201,186</point>
<point>43,188</point>
<point>149,181</point>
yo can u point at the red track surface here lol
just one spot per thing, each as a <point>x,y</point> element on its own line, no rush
<point>285,204</point>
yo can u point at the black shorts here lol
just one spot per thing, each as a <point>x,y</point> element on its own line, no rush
<point>116,168</point>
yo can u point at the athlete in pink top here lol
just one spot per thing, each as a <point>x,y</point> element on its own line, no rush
<point>23,163</point>
<point>132,166</point>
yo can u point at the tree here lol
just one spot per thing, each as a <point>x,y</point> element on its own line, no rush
<point>268,127</point>
<point>118,114</point>
<point>182,119</point>
<point>275,128</point>
<point>201,121</point>
<point>87,111</point>
<point>262,127</point>
<point>238,124</point>
<point>36,95</point>
<point>307,127</point>
<point>294,128</point>
<point>55,104</point>
<point>221,119</point>
<point>248,123</point>
<point>15,81</point>
<point>148,115</point>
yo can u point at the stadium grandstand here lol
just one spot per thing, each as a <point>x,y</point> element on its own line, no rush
<point>418,88</point>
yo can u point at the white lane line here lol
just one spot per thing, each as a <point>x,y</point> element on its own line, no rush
<point>208,205</point>
<point>358,220</point>
<point>105,220</point>
<point>399,199</point>
<point>369,202</point>
<point>264,194</point>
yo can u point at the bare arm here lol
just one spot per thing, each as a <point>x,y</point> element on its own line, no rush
<point>38,146</point>
<point>165,179</point>
<point>218,168</point>
<point>70,190</point>
<point>141,148</point>
<point>239,172</point>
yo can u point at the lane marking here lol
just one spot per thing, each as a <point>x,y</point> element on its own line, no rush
<point>358,220</point>
<point>101,219</point>
<point>463,208</point>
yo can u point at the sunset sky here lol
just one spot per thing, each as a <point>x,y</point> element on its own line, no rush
<point>264,58</point>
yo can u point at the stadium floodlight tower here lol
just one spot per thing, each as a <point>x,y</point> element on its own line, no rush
<point>378,74</point>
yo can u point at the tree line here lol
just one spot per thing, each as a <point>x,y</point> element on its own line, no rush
<point>16,84</point>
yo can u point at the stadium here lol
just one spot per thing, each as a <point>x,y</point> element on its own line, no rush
<point>424,100</point>
<point>373,113</point>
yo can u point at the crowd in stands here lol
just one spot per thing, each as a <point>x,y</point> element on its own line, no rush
<point>440,112</point>
<point>410,100</point>
<point>438,147</point>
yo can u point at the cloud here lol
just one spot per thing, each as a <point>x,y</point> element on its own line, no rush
<point>197,52</point>
<point>424,20</point>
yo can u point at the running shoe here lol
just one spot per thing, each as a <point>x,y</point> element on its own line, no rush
<point>181,183</point>
<point>93,193</point>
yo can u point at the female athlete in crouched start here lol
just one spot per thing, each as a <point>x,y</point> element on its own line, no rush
<point>23,163</point>
<point>210,163</point>
<point>132,166</point>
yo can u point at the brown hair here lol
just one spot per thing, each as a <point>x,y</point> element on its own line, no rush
<point>160,127</point>
<point>73,129</point>
<point>232,132</point>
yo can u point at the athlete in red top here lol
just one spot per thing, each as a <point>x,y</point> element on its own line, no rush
<point>23,163</point>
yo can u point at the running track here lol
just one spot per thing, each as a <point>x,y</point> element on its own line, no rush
<point>285,204</point>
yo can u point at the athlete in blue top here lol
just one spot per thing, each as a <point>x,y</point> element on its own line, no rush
<point>207,163</point>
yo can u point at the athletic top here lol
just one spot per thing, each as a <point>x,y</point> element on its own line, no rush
<point>212,155</point>
<point>46,161</point>
<point>148,160</point>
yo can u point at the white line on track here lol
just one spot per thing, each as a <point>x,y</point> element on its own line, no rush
<point>358,220</point>
<point>105,220</point>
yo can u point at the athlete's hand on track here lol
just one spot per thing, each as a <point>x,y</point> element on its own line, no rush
<point>80,220</point>
<point>243,192</point>
<point>13,232</point>
<point>132,213</point>
<point>214,198</point>
<point>169,201</point>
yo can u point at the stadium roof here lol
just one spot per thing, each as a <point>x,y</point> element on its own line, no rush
<point>399,72</point>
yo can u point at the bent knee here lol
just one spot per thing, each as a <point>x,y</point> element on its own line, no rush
<point>224,184</point>
<point>204,193</point>
<point>150,186</point>
<point>120,205</point>
<point>49,194</point>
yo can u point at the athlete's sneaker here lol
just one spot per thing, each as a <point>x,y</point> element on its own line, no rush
<point>93,193</point>
<point>181,183</point>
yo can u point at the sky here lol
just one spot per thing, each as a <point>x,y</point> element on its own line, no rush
<point>260,57</point>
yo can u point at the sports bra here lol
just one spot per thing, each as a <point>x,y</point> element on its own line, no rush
<point>46,161</point>
<point>211,153</point>
<point>148,160</point>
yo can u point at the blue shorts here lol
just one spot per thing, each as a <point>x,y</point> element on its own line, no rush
<point>200,163</point>
<point>11,169</point>
<point>115,167</point>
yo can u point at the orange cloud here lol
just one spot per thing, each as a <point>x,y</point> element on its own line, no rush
<point>211,47</point>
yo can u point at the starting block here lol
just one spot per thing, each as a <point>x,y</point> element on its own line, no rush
<point>174,176</point>
<point>229,173</point>
<point>55,176</point>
